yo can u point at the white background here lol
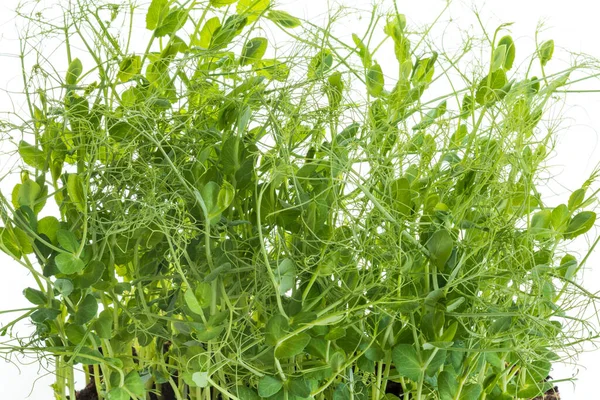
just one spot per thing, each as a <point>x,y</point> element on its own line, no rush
<point>572,24</point>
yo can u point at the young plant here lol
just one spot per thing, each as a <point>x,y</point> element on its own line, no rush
<point>235,222</point>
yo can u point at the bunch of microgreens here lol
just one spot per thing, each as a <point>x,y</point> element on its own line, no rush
<point>231,220</point>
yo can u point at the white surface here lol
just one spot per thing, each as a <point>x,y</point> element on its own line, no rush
<point>573,25</point>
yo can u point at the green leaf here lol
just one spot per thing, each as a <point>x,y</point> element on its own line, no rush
<point>580,224</point>
<point>533,390</point>
<point>500,325</point>
<point>292,346</point>
<point>207,32</point>
<point>129,67</point>
<point>284,19</point>
<point>89,356</point>
<point>337,360</point>
<point>75,333</point>
<point>467,107</point>
<point>35,296</point>
<point>269,386</point>
<point>498,58</point>
<point>423,70</point>
<point>449,332</point>
<point>44,314</point>
<point>32,156</point>
<point>172,23</point>
<point>576,199</point>
<point>67,240</point>
<point>334,89</point>
<point>221,3</point>
<point>509,57</point>
<point>69,264</point>
<point>545,52</point>
<point>210,195</point>
<point>560,217</point>
<point>203,294</point>
<point>328,320</point>
<point>336,333</point>
<point>447,385</point>
<point>86,310</point>
<point>156,13</point>
<point>363,51</point>
<point>471,392</point>
<point>277,327</point>
<point>206,333</point>
<point>341,392</point>
<point>490,87</point>
<point>192,302</point>
<point>436,362</point>
<point>374,353</point>
<point>49,226</point>
<point>135,384</point>
<point>320,64</point>
<point>568,266</point>
<point>245,393</point>
<point>64,286</point>
<point>76,191</point>
<point>223,36</point>
<point>74,71</point>
<point>218,318</point>
<point>440,246</point>
<point>117,393</point>
<point>252,8</point>
<point>253,50</point>
<point>285,276</point>
<point>375,81</point>
<point>24,241</point>
<point>540,223</point>
<point>395,28</point>
<point>200,379</point>
<point>104,324</point>
<point>538,370</point>
<point>92,274</point>
<point>299,387</point>
<point>10,244</point>
<point>225,197</point>
<point>273,69</point>
<point>407,362</point>
<point>27,194</point>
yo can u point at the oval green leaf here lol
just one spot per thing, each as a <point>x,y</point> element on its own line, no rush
<point>252,8</point>
<point>35,296</point>
<point>64,286</point>
<point>576,199</point>
<point>510,51</point>
<point>32,156</point>
<point>69,263</point>
<point>284,19</point>
<point>292,346</point>
<point>86,310</point>
<point>67,240</point>
<point>74,71</point>
<point>545,52</point>
<point>269,386</point>
<point>440,247</point>
<point>253,50</point>
<point>407,362</point>
<point>375,80</point>
<point>580,224</point>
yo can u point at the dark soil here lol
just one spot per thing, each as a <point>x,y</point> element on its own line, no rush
<point>88,393</point>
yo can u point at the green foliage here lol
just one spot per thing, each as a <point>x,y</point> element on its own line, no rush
<point>237,218</point>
